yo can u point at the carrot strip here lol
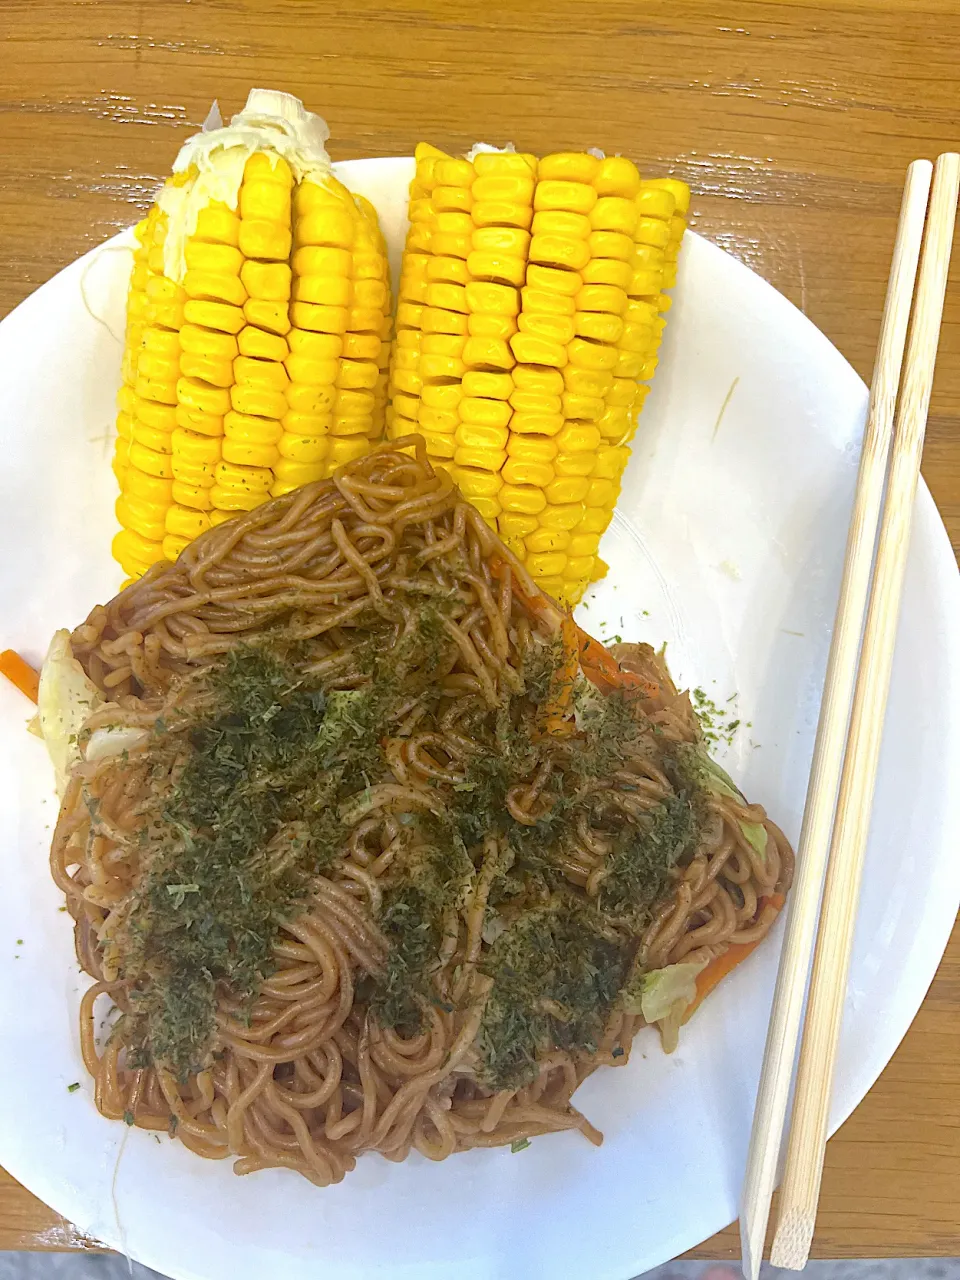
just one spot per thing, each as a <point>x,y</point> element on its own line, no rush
<point>562,682</point>
<point>602,669</point>
<point>20,673</point>
<point>718,969</point>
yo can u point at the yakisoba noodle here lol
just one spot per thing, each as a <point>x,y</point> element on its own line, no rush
<point>305,1070</point>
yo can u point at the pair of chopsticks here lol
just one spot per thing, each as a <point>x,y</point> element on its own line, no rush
<point>843,773</point>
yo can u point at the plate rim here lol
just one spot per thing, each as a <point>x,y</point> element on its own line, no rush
<point>945,588</point>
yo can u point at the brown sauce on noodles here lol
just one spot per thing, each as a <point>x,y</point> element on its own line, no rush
<point>352,890</point>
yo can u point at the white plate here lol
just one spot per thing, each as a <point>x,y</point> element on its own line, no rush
<point>727,544</point>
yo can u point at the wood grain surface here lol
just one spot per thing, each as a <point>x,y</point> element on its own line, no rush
<point>794,124</point>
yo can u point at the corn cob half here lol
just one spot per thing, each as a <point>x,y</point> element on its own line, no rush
<point>530,311</point>
<point>258,326</point>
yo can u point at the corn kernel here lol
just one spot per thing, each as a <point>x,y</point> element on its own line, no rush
<point>319,260</point>
<point>492,386</point>
<point>587,382</point>
<point>528,472</point>
<point>199,420</point>
<point>354,404</point>
<point>194,449</point>
<point>260,345</point>
<point>531,448</point>
<point>599,326</point>
<point>440,421</point>
<point>231,500</point>
<point>553,279</point>
<point>263,314</point>
<point>221,259</point>
<point>512,525</point>
<point>559,193</point>
<point>563,516</point>
<point>231,477</point>
<point>583,544</point>
<point>559,222</point>
<point>261,401</point>
<point>219,224</point>
<point>454,173</point>
<point>601,493</point>
<point>504,268</point>
<point>260,373</point>
<point>530,349</point>
<point>436,320</point>
<point>294,474</point>
<point>591,355</point>
<point>609,271</point>
<point>247,429</point>
<point>502,213</point>
<point>148,487</point>
<point>451,245</point>
<point>487,353</point>
<point>442,397</point>
<point>489,413</point>
<point>475,435</point>
<point>614,423</point>
<point>574,464</point>
<point>547,303</point>
<point>578,437</point>
<point>221,316</point>
<point>538,380</point>
<point>614,213</point>
<point>319,318</point>
<point>645,283</point>
<point>306,424</point>
<point>483,459</point>
<point>446,269</point>
<point>617,176</point>
<point>554,328</point>
<point>497,299</point>
<point>541,424</point>
<point>652,231</point>
<point>452,199</point>
<point>502,328</point>
<point>602,297</point>
<point>158,441</point>
<point>191,495</point>
<point>448,297</point>
<point>440,446</point>
<point>362,346</point>
<point>351,424</point>
<point>214,287</point>
<point>559,251</point>
<point>303,448</point>
<point>327,291</point>
<point>307,399</point>
<point>332,227</point>
<point>443,344</point>
<point>186,524</point>
<point>578,568</point>
<point>438,367</point>
<point>344,451</point>
<point>610,462</point>
<point>522,499</point>
<point>630,364</point>
<point>543,540</point>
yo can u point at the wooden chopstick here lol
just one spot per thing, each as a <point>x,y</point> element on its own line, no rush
<point>831,964</point>
<point>784,1029</point>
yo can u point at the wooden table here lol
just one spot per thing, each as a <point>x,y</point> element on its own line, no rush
<point>792,122</point>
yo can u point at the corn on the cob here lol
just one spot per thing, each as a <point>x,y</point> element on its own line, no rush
<point>257,337</point>
<point>530,310</point>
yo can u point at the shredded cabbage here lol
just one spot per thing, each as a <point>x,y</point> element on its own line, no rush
<point>756,834</point>
<point>65,698</point>
<point>664,996</point>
